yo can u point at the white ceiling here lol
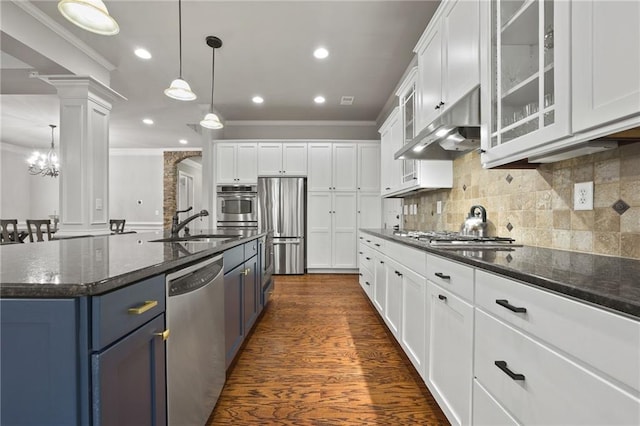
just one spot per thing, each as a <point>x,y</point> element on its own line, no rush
<point>267,50</point>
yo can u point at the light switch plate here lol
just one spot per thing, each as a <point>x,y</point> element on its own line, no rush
<point>439,207</point>
<point>583,196</point>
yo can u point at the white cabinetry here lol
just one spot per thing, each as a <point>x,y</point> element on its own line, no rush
<point>605,62</point>
<point>450,336</point>
<point>369,210</point>
<point>527,73</point>
<point>393,308</point>
<point>391,140</point>
<point>448,59</point>
<point>414,310</point>
<point>332,230</point>
<point>277,159</point>
<point>369,167</point>
<point>236,162</point>
<point>332,166</point>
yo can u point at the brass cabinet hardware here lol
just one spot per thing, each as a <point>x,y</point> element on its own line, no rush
<point>148,304</point>
<point>164,334</point>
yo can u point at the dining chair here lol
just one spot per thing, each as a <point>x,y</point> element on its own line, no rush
<point>117,225</point>
<point>9,236</point>
<point>35,226</point>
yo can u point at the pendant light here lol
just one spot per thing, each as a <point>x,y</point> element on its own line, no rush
<point>90,15</point>
<point>45,164</point>
<point>179,88</point>
<point>211,120</point>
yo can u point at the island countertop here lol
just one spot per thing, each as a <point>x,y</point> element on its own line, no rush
<point>610,282</point>
<point>95,265</point>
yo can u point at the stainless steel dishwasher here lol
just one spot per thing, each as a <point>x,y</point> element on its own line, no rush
<point>195,349</point>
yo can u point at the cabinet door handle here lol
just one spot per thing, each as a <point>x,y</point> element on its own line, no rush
<point>398,273</point>
<point>164,334</point>
<point>368,258</point>
<point>382,261</point>
<point>377,245</point>
<point>368,241</point>
<point>360,252</point>
<point>387,188</point>
<point>443,276</point>
<point>360,274</point>
<point>437,107</point>
<point>505,304</point>
<point>148,304</point>
<point>441,297</point>
<point>502,365</point>
<point>367,283</point>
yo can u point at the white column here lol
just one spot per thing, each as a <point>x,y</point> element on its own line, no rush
<point>85,105</point>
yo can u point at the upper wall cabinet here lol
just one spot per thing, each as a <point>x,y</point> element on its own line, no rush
<point>390,142</point>
<point>236,162</point>
<point>332,166</point>
<point>606,62</point>
<point>527,77</point>
<point>448,59</point>
<point>278,159</point>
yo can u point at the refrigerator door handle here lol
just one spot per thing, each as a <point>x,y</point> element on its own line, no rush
<point>287,242</point>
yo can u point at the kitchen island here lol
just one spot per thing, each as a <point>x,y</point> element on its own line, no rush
<point>85,323</point>
<point>514,335</point>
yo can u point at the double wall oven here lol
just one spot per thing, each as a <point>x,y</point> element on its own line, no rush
<point>237,207</point>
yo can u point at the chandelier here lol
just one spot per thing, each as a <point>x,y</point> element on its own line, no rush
<point>45,164</point>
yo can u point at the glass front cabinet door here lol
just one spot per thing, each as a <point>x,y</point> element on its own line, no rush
<point>407,102</point>
<point>527,74</point>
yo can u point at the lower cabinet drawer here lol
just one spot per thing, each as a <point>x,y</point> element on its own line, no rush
<point>450,275</point>
<point>538,386</point>
<point>121,311</point>
<point>250,249</point>
<point>365,257</point>
<point>604,340</point>
<point>487,411</point>
<point>366,281</point>
<point>412,258</point>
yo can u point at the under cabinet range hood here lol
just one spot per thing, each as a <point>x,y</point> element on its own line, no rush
<point>456,131</point>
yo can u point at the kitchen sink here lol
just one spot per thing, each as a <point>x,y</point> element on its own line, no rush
<point>196,239</point>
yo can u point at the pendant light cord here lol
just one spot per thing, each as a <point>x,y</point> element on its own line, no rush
<point>180,34</point>
<point>213,68</point>
<point>52,128</point>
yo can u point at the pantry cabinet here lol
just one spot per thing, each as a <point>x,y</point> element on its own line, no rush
<point>369,167</point>
<point>278,159</point>
<point>332,230</point>
<point>527,72</point>
<point>332,166</point>
<point>236,162</point>
<point>448,59</point>
<point>605,62</point>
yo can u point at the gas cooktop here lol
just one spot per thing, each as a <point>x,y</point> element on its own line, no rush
<point>455,240</point>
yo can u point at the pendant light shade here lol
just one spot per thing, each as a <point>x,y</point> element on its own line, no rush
<point>90,15</point>
<point>211,120</point>
<point>179,88</point>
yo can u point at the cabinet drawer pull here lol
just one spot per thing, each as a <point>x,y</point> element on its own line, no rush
<point>505,304</point>
<point>502,365</point>
<point>360,252</point>
<point>368,241</point>
<point>441,297</point>
<point>148,304</point>
<point>368,258</point>
<point>443,276</point>
<point>377,245</point>
<point>382,261</point>
<point>367,283</point>
<point>360,274</point>
<point>164,334</point>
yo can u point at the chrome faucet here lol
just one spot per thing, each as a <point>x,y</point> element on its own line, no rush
<point>177,226</point>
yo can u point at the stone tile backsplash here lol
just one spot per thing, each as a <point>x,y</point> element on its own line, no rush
<point>535,206</point>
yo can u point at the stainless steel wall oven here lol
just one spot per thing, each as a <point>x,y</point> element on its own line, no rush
<point>237,206</point>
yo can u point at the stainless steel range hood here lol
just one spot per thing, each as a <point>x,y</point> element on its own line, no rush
<point>455,132</point>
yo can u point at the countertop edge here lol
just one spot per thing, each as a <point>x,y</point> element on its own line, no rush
<point>613,304</point>
<point>73,290</point>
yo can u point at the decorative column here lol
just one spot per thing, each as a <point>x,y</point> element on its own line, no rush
<point>85,105</point>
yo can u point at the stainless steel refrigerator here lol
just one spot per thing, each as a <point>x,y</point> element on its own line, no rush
<point>282,209</point>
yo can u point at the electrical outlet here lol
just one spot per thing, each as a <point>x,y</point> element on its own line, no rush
<point>583,196</point>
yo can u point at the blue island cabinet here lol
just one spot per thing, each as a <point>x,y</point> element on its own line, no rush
<point>85,361</point>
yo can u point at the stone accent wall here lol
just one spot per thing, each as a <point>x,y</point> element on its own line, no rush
<point>535,206</point>
<point>170,182</point>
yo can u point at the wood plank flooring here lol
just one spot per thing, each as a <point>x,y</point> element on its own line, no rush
<point>322,356</point>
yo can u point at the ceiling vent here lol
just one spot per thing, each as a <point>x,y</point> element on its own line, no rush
<point>347,100</point>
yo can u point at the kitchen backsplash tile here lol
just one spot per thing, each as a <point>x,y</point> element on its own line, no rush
<point>535,206</point>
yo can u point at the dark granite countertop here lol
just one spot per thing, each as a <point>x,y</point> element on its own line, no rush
<point>95,265</point>
<point>609,282</point>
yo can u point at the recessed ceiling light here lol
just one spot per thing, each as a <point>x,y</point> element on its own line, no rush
<point>142,53</point>
<point>183,141</point>
<point>319,99</point>
<point>257,99</point>
<point>147,121</point>
<point>321,53</point>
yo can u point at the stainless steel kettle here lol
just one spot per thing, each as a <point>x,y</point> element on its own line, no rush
<point>476,222</point>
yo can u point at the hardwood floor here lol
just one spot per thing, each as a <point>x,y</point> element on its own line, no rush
<point>321,356</point>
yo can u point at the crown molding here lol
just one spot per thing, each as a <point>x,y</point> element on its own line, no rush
<point>332,123</point>
<point>136,151</point>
